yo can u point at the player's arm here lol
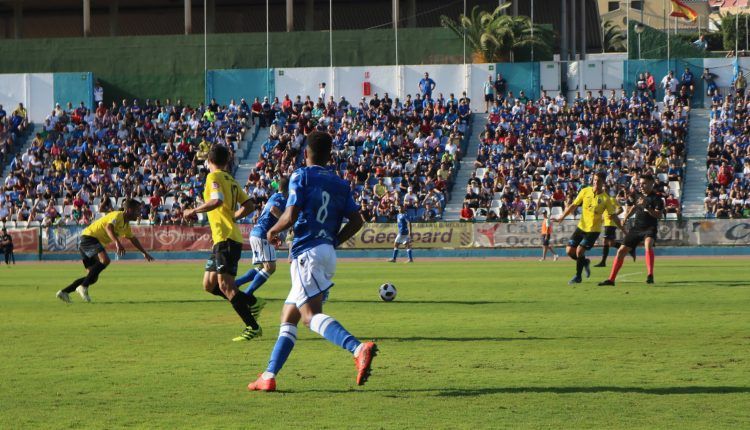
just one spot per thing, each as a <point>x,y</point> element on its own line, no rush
<point>631,211</point>
<point>110,230</point>
<point>205,207</point>
<point>351,228</point>
<point>569,210</point>
<point>286,220</point>
<point>137,243</point>
<point>244,210</point>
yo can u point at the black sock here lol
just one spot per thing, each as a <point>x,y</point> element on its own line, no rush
<point>93,275</point>
<point>605,253</point>
<point>217,292</point>
<point>73,285</point>
<point>580,262</point>
<point>241,305</point>
<point>251,300</point>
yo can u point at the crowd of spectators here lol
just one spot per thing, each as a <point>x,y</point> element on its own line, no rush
<point>394,152</point>
<point>84,162</point>
<point>13,129</point>
<point>537,154</point>
<point>728,161</point>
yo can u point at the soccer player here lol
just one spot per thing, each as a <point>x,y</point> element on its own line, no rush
<point>594,202</point>
<point>404,235</point>
<point>264,253</point>
<point>318,203</point>
<point>221,197</point>
<point>546,236</point>
<point>610,234</point>
<point>648,208</point>
<point>94,238</point>
<point>6,244</point>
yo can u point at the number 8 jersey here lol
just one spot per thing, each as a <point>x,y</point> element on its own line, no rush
<point>323,200</point>
<point>222,186</point>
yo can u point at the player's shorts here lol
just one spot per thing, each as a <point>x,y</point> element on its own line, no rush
<point>545,239</point>
<point>610,232</point>
<point>263,252</point>
<point>636,236</point>
<point>89,247</point>
<point>312,273</point>
<point>402,239</point>
<point>584,239</point>
<point>225,257</point>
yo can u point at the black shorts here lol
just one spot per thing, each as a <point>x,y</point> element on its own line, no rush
<point>636,236</point>
<point>545,239</point>
<point>584,239</point>
<point>610,232</point>
<point>89,247</point>
<point>489,97</point>
<point>225,258</point>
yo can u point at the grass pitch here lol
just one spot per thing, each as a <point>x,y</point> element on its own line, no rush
<point>467,344</point>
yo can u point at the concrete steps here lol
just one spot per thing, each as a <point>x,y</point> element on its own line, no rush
<point>466,168</point>
<point>694,188</point>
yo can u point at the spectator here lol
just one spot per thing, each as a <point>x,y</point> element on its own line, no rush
<point>701,43</point>
<point>466,213</point>
<point>500,87</point>
<point>710,80</point>
<point>740,84</point>
<point>489,93</point>
<point>426,85</point>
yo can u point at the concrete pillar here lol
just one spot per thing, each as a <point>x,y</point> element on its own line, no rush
<point>514,6</point>
<point>573,30</point>
<point>114,18</point>
<point>411,13</point>
<point>188,17</point>
<point>210,16</point>
<point>18,20</point>
<point>564,30</point>
<point>309,15</point>
<point>584,45</point>
<point>394,12</point>
<point>289,15</point>
<point>86,18</point>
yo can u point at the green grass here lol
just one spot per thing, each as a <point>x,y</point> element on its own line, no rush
<point>467,344</point>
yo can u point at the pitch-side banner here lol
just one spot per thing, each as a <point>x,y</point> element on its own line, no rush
<point>423,235</point>
<point>24,240</point>
<point>719,232</point>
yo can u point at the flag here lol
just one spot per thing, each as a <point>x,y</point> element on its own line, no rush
<point>680,10</point>
<point>736,69</point>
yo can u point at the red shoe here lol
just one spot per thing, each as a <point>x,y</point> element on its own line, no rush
<point>363,362</point>
<point>261,384</point>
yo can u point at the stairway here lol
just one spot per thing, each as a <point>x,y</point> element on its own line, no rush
<point>453,208</point>
<point>251,149</point>
<point>694,189</point>
<point>26,144</point>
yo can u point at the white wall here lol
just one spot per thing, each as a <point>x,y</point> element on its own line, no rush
<point>34,90</point>
<point>303,81</point>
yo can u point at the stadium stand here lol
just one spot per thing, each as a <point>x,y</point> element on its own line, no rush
<point>728,160</point>
<point>538,154</point>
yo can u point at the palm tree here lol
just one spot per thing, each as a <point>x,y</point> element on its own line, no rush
<point>613,37</point>
<point>495,36</point>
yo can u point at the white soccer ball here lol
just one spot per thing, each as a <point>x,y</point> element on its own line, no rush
<point>387,292</point>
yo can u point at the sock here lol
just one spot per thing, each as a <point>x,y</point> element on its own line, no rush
<point>580,262</point>
<point>247,277</point>
<point>650,257</point>
<point>334,332</point>
<point>408,252</point>
<point>73,285</point>
<point>616,266</point>
<point>395,253</point>
<point>93,275</point>
<point>241,305</point>
<point>260,278</point>
<point>605,253</point>
<point>217,292</point>
<point>618,245</point>
<point>282,349</point>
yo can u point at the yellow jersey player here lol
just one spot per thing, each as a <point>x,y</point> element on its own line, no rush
<point>91,245</point>
<point>610,232</point>
<point>222,195</point>
<point>594,203</point>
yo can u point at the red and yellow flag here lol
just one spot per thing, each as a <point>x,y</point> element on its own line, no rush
<point>680,9</point>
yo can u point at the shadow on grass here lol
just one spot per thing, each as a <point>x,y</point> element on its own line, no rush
<point>474,392</point>
<point>462,339</point>
<point>394,303</point>
<point>707,282</point>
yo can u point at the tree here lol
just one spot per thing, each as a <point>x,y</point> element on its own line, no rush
<point>494,36</point>
<point>728,30</point>
<point>613,37</point>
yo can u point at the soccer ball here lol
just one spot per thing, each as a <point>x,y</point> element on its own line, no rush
<point>387,292</point>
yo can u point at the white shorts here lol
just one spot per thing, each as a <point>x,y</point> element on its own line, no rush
<point>263,252</point>
<point>312,273</point>
<point>403,239</point>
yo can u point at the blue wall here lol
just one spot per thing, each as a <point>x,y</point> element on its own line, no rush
<point>75,87</point>
<point>236,84</point>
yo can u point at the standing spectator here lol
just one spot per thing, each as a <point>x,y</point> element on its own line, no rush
<point>669,82</point>
<point>98,93</point>
<point>500,86</point>
<point>740,83</point>
<point>426,85</point>
<point>701,43</point>
<point>489,93</point>
<point>651,84</point>
<point>688,81</point>
<point>322,91</point>
<point>710,79</point>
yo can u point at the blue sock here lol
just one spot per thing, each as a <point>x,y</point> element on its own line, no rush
<point>247,277</point>
<point>260,278</point>
<point>408,252</point>
<point>283,347</point>
<point>334,332</point>
<point>395,253</point>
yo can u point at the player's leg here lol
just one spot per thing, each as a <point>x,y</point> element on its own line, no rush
<point>267,258</point>
<point>544,249</point>
<point>13,256</point>
<point>211,283</point>
<point>256,247</point>
<point>617,263</point>
<point>63,294</point>
<point>649,243</point>
<point>246,277</point>
<point>580,260</point>
<point>227,256</point>
<point>290,317</point>
<point>395,252</point>
<point>408,252</point>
